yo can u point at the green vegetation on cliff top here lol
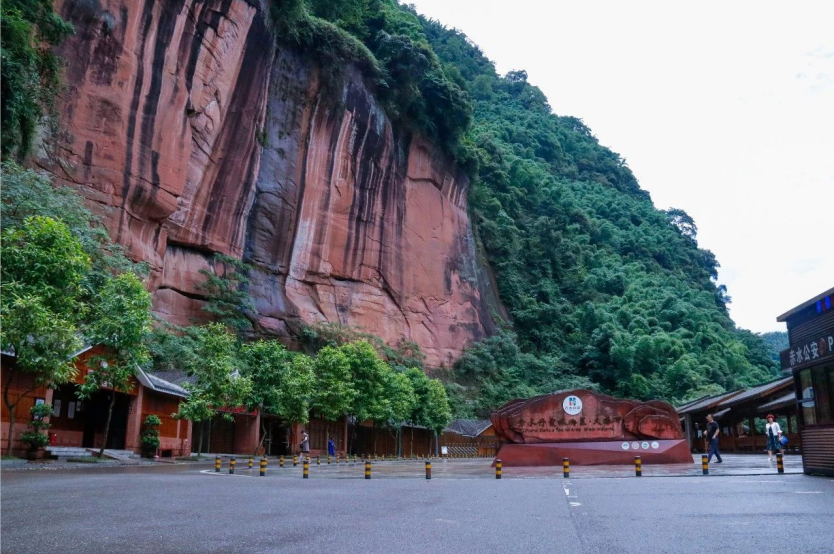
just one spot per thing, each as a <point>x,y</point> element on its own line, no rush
<point>602,288</point>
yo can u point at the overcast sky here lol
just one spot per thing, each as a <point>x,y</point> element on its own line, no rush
<point>722,109</point>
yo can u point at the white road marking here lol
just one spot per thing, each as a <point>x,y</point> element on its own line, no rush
<point>808,492</point>
<point>575,504</point>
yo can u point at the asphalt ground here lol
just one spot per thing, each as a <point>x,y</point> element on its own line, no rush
<point>189,508</point>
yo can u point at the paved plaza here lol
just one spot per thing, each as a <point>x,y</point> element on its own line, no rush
<point>190,508</point>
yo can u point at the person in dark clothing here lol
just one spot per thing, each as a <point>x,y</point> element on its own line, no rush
<point>712,434</point>
<point>331,447</point>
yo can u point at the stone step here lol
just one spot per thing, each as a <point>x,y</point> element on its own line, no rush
<point>67,451</point>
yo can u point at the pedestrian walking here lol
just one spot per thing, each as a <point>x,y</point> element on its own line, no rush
<point>331,447</point>
<point>712,434</point>
<point>774,437</point>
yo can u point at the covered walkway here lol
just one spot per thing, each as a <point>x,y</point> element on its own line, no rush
<point>740,415</point>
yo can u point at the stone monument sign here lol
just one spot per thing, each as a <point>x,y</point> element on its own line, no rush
<point>588,428</point>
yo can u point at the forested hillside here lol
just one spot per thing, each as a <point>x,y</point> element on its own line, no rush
<point>601,287</point>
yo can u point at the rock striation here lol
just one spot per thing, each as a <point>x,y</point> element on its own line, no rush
<point>193,133</point>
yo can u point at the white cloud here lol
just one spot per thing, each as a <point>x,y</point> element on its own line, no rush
<point>723,109</point>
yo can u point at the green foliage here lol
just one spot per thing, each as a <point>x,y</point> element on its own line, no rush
<point>335,392</point>
<point>43,267</point>
<point>437,406</point>
<point>225,288</point>
<point>387,44</point>
<point>401,398</point>
<point>172,347</point>
<point>150,434</point>
<point>27,193</point>
<point>495,371</point>
<point>35,438</point>
<point>31,76</point>
<point>404,354</point>
<point>368,375</point>
<point>42,258</point>
<point>121,323</point>
<point>432,408</point>
<point>282,382</point>
<point>218,384</point>
<point>776,341</point>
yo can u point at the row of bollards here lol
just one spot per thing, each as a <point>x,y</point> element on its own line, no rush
<point>638,465</point>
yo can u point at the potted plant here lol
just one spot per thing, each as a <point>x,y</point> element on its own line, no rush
<point>150,436</point>
<point>35,438</point>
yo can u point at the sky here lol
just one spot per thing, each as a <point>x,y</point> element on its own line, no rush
<point>722,109</point>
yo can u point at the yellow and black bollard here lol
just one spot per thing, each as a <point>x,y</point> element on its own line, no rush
<point>704,464</point>
<point>337,458</point>
<point>375,457</point>
<point>305,472</point>
<point>565,468</point>
<point>638,466</point>
<point>354,458</point>
<point>217,464</point>
<point>367,470</point>
<point>328,459</point>
<point>498,469</point>
<point>780,464</point>
<point>281,461</point>
<point>232,466</point>
<point>250,463</point>
<point>295,460</point>
<point>428,470</point>
<point>263,466</point>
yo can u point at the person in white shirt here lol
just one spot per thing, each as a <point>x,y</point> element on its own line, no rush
<point>774,437</point>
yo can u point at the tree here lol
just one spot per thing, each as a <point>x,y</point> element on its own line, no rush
<point>401,401</point>
<point>439,414</point>
<point>369,375</point>
<point>282,382</point>
<point>335,393</point>
<point>31,71</point>
<point>218,384</point>
<point>122,320</point>
<point>43,267</point>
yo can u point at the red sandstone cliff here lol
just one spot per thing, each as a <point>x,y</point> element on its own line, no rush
<point>194,133</point>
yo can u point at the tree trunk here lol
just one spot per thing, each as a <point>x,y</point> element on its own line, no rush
<point>208,437</point>
<point>202,436</point>
<point>412,439</point>
<point>263,437</point>
<point>107,425</point>
<point>12,413</point>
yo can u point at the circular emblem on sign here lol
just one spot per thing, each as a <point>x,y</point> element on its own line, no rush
<point>625,446</point>
<point>655,445</point>
<point>635,445</point>
<point>645,446</point>
<point>572,405</point>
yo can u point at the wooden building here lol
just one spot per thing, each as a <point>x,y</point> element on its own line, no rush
<point>740,416</point>
<point>470,438</point>
<point>810,358</point>
<point>80,424</point>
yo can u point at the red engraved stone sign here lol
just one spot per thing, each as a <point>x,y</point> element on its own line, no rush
<point>588,428</point>
<point>583,415</point>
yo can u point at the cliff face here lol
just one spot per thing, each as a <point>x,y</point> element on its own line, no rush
<point>194,134</point>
